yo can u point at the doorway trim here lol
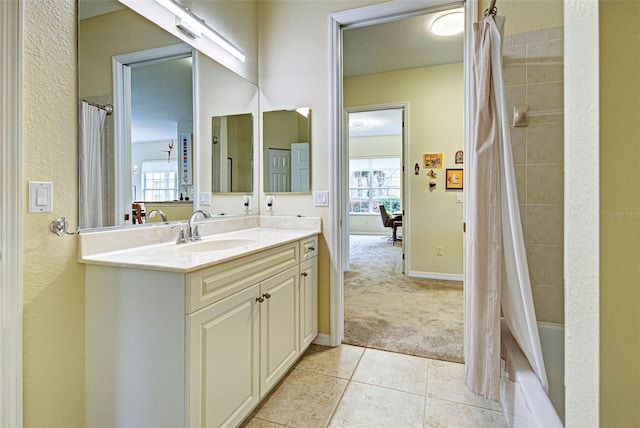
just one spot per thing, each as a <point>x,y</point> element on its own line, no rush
<point>122,115</point>
<point>11,186</point>
<point>404,106</point>
<point>339,21</point>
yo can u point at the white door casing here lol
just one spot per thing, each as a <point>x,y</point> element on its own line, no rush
<point>11,185</point>
<point>368,15</point>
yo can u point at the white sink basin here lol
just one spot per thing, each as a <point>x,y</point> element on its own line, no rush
<point>216,245</point>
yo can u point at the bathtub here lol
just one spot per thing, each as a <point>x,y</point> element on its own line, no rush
<point>524,401</point>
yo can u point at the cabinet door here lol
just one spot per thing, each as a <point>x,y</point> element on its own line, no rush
<point>279,327</point>
<point>223,360</point>
<point>308,302</point>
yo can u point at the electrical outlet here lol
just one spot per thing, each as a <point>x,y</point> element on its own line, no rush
<point>439,251</point>
<point>271,203</point>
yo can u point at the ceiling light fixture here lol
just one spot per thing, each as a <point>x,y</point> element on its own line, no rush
<point>195,27</point>
<point>362,124</point>
<point>449,24</point>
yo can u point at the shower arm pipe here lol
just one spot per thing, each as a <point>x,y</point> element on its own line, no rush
<point>106,107</point>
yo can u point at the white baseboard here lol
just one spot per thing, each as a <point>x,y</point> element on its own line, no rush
<point>436,275</point>
<point>322,340</point>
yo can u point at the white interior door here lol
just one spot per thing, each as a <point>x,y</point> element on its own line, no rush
<point>300,167</point>
<point>279,170</point>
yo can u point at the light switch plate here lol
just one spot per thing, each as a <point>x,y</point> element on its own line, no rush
<point>320,199</point>
<point>205,198</point>
<point>40,197</point>
<point>459,198</point>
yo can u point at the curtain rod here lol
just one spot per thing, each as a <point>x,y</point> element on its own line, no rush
<point>106,107</point>
<point>492,9</point>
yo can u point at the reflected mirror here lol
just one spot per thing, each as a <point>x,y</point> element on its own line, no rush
<point>167,127</point>
<point>232,150</point>
<point>286,136</point>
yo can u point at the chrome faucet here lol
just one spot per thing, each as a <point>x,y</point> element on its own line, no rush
<point>192,231</point>
<point>153,213</point>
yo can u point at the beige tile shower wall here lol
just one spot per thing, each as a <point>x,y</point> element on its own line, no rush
<point>533,75</point>
<point>108,153</point>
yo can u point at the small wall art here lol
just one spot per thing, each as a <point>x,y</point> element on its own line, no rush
<point>432,160</point>
<point>454,179</point>
<point>459,156</point>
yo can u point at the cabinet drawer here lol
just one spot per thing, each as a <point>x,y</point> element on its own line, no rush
<point>308,247</point>
<point>217,282</point>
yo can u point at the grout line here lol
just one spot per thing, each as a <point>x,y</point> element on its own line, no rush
<point>333,413</point>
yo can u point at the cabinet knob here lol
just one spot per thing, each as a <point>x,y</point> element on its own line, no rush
<point>312,248</point>
<point>259,299</point>
<point>304,274</point>
<point>266,295</point>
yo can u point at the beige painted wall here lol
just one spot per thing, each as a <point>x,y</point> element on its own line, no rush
<point>436,98</point>
<point>620,213</point>
<point>115,33</point>
<point>53,279</point>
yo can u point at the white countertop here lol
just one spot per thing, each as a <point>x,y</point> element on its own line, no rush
<point>173,258</point>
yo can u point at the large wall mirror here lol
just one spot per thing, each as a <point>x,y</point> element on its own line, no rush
<point>286,136</point>
<point>232,147</point>
<point>155,151</point>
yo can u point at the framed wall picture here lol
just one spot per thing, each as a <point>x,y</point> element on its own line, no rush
<point>454,179</point>
<point>186,174</point>
<point>459,156</point>
<point>432,160</point>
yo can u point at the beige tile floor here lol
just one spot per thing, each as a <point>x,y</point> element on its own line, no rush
<point>351,387</point>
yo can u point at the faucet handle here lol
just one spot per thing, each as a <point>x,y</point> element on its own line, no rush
<point>196,233</point>
<point>181,238</point>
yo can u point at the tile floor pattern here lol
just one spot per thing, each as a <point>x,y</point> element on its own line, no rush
<point>352,387</point>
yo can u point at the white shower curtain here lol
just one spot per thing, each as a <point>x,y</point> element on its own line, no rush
<point>496,263</point>
<point>90,165</point>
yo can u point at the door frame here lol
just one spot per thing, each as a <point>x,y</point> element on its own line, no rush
<point>122,116</point>
<point>11,204</point>
<point>404,160</point>
<point>354,18</point>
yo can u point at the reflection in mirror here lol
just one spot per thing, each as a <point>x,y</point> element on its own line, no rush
<point>106,30</point>
<point>232,149</point>
<point>287,150</point>
<point>161,126</point>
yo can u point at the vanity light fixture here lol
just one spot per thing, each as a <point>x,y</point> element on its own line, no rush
<point>448,24</point>
<point>195,27</point>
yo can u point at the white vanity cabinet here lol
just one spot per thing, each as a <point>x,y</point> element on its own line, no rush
<point>196,349</point>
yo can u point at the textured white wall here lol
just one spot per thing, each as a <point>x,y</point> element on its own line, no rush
<point>582,299</point>
<point>53,279</point>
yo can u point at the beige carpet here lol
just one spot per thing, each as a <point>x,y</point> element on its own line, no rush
<point>385,310</point>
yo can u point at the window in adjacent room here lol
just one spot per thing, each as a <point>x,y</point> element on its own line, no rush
<point>159,180</point>
<point>372,182</point>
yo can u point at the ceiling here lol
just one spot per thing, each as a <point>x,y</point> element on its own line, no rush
<point>398,45</point>
<point>161,97</point>
<point>89,8</point>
